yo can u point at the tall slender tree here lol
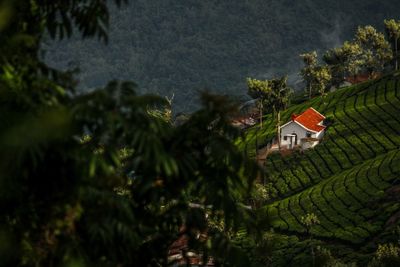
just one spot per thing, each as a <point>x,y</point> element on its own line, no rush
<point>310,61</point>
<point>316,76</point>
<point>259,90</point>
<point>321,76</point>
<point>278,99</point>
<point>393,30</point>
<point>274,96</point>
<point>336,60</point>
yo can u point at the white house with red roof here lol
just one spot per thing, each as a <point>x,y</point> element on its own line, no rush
<point>305,130</point>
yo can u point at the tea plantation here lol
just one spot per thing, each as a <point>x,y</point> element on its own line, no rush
<point>351,180</point>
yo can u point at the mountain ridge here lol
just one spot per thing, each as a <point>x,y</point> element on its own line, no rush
<point>182,47</point>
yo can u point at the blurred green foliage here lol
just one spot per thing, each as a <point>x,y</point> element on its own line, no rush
<point>96,179</point>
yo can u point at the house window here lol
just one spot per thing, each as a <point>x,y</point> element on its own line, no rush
<point>308,134</point>
<point>285,138</point>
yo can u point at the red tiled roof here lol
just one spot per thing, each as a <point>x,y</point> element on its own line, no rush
<point>310,119</point>
<point>357,79</point>
<point>362,78</point>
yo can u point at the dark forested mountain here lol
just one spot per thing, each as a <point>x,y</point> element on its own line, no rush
<point>183,46</point>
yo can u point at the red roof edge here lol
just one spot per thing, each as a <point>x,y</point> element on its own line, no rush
<point>317,112</point>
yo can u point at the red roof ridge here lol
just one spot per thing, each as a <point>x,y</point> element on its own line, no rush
<point>310,119</point>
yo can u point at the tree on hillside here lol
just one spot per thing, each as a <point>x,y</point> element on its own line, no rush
<point>274,97</point>
<point>336,60</point>
<point>354,58</point>
<point>321,76</point>
<point>310,61</point>
<point>94,179</point>
<point>369,52</point>
<point>316,76</point>
<point>393,30</point>
<point>278,99</point>
<point>259,90</point>
<point>344,61</point>
<point>376,51</point>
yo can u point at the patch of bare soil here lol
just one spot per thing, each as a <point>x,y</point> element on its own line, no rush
<point>393,193</point>
<point>262,155</point>
<point>393,219</point>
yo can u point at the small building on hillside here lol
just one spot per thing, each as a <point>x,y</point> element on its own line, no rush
<point>363,77</point>
<point>249,107</point>
<point>356,79</point>
<point>249,115</point>
<point>304,130</point>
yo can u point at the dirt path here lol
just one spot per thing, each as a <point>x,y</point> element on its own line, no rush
<point>263,153</point>
<point>261,156</point>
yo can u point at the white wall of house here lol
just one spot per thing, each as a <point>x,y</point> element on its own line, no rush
<point>289,129</point>
<point>293,127</point>
<point>320,134</point>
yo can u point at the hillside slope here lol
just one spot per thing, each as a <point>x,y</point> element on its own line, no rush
<point>351,181</point>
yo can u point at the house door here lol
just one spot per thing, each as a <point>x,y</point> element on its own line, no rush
<point>295,139</point>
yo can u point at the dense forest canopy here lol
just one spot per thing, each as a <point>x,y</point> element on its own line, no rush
<point>181,47</point>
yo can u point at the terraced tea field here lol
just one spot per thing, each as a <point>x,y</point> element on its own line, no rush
<point>351,180</point>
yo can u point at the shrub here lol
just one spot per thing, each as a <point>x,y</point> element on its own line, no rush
<point>387,255</point>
